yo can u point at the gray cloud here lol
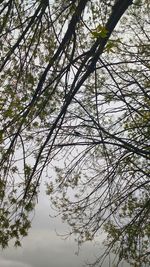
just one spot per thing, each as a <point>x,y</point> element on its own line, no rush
<point>44,248</point>
<point>10,263</point>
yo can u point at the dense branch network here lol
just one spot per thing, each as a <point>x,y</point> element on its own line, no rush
<point>75,87</point>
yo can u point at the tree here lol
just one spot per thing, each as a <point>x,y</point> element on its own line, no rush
<point>75,85</point>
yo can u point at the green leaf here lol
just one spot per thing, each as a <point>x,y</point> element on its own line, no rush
<point>100,31</point>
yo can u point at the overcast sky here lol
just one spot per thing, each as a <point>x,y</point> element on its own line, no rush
<point>44,248</point>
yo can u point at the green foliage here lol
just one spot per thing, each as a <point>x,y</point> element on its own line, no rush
<point>13,229</point>
<point>100,31</point>
<point>80,96</point>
